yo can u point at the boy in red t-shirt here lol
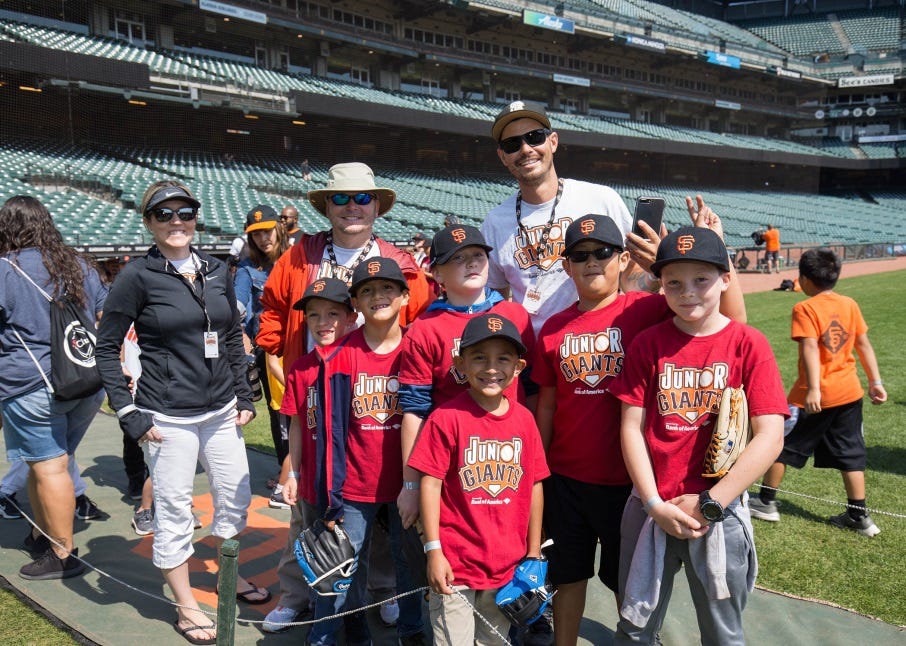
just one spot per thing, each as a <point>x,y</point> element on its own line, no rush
<point>482,463</point>
<point>828,327</point>
<point>428,378</point>
<point>671,385</point>
<point>579,351</point>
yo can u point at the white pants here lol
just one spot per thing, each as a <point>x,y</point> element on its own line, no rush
<point>216,442</point>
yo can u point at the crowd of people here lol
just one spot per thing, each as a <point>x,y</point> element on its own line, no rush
<point>552,375</point>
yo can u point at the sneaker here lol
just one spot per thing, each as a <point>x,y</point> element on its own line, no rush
<point>9,507</point>
<point>51,566</point>
<point>277,501</point>
<point>764,510</point>
<point>37,546</point>
<point>136,486</point>
<point>276,619</point>
<point>85,508</point>
<point>143,522</point>
<point>864,525</point>
<point>390,613</point>
<point>418,639</point>
<point>540,633</point>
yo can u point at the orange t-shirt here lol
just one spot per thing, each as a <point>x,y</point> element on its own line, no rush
<point>772,240</point>
<point>835,321</point>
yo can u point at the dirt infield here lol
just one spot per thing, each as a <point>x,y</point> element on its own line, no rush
<point>752,282</point>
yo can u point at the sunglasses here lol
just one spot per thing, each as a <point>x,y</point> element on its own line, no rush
<point>186,213</point>
<point>602,253</point>
<point>342,199</point>
<point>533,138</point>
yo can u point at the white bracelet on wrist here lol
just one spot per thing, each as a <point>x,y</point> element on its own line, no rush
<point>293,474</point>
<point>411,485</point>
<point>652,502</point>
<point>432,545</point>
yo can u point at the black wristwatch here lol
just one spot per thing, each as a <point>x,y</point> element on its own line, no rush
<point>712,510</point>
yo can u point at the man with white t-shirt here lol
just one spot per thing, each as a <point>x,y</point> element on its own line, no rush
<point>527,230</point>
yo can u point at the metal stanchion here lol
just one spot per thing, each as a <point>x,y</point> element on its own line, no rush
<point>226,599</point>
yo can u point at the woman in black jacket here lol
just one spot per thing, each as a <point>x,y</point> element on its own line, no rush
<point>192,397</point>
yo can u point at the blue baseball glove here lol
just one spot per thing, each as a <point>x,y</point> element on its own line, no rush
<point>524,599</point>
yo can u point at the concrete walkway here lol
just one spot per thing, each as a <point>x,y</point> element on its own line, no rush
<point>108,612</point>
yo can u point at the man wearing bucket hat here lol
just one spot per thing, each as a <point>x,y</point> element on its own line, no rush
<point>527,230</point>
<point>351,202</point>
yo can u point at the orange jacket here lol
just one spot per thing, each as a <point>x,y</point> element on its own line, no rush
<point>282,329</point>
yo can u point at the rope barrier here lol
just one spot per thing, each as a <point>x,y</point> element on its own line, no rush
<point>828,501</point>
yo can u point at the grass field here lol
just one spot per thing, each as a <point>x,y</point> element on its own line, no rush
<point>802,555</point>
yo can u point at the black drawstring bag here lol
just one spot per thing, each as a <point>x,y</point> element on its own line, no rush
<point>73,369</point>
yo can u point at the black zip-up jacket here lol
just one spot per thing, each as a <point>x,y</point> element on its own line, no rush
<point>169,315</point>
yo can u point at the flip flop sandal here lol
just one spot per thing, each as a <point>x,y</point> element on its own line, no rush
<point>184,633</point>
<point>254,590</point>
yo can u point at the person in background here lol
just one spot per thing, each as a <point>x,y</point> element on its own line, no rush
<point>289,218</point>
<point>192,398</point>
<point>39,429</point>
<point>267,242</point>
<point>772,249</point>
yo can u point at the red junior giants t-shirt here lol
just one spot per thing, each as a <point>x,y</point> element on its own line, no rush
<point>580,353</point>
<point>679,379</point>
<point>433,341</point>
<point>301,398</point>
<point>489,465</point>
<point>374,460</point>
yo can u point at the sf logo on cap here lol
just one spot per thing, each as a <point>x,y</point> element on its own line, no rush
<point>495,324</point>
<point>373,268</point>
<point>258,215</point>
<point>685,243</point>
<point>458,235</point>
<point>587,226</point>
<point>318,286</point>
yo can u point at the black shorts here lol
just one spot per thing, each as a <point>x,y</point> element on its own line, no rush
<point>772,255</point>
<point>834,436</point>
<point>577,515</point>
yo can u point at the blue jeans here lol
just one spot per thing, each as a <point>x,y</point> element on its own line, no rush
<point>38,427</point>
<point>358,521</point>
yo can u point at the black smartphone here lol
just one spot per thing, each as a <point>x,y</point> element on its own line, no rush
<point>649,210</point>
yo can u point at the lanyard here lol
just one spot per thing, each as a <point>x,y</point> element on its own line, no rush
<point>197,294</point>
<point>333,257</point>
<point>545,232</point>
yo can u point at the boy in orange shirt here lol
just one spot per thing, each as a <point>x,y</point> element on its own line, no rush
<point>827,327</point>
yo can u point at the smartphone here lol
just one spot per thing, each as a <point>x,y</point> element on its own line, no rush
<point>649,210</point>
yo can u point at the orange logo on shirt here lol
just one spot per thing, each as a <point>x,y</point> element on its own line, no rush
<point>592,357</point>
<point>685,243</point>
<point>587,227</point>
<point>690,393</point>
<point>548,256</point>
<point>834,337</point>
<point>311,410</point>
<point>373,268</point>
<point>376,397</point>
<point>491,465</point>
<point>458,235</point>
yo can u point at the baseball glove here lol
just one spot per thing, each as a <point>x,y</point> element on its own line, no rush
<point>731,433</point>
<point>525,597</point>
<point>326,557</point>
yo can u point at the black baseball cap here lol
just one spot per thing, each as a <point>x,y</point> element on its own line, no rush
<point>596,227</point>
<point>330,289</point>
<point>519,110</point>
<point>691,243</point>
<point>374,268</point>
<point>165,193</point>
<point>490,326</point>
<point>260,217</point>
<point>451,239</point>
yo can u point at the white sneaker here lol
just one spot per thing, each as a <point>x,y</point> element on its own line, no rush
<point>764,510</point>
<point>390,613</point>
<point>276,619</point>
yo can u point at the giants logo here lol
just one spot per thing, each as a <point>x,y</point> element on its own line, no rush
<point>376,397</point>
<point>495,325</point>
<point>311,411</point>
<point>318,286</point>
<point>691,393</point>
<point>491,465</point>
<point>458,377</point>
<point>685,243</point>
<point>527,252</point>
<point>592,357</point>
<point>257,216</point>
<point>458,235</point>
<point>328,269</point>
<point>834,337</point>
<point>587,227</point>
<point>373,267</point>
